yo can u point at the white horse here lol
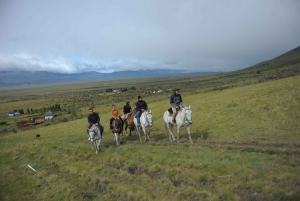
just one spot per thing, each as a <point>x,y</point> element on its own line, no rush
<point>117,130</point>
<point>146,122</point>
<point>95,137</point>
<point>183,118</point>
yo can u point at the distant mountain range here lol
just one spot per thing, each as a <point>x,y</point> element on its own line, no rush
<point>285,65</point>
<point>18,78</point>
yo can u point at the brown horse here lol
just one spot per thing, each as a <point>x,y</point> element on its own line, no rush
<point>129,123</point>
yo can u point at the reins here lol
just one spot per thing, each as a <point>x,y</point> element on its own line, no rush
<point>185,115</point>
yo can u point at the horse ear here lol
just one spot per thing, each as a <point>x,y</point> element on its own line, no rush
<point>189,107</point>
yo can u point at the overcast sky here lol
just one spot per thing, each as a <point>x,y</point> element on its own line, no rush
<point>72,36</point>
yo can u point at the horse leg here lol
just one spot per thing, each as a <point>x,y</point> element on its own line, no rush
<point>148,133</point>
<point>97,145</point>
<point>99,142</point>
<point>125,128</point>
<point>145,132</point>
<point>171,136</point>
<point>117,138</point>
<point>92,145</point>
<point>137,130</point>
<point>189,132</point>
<point>178,133</point>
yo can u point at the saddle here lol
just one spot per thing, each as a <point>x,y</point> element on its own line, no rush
<point>171,111</point>
<point>135,116</point>
<point>127,116</point>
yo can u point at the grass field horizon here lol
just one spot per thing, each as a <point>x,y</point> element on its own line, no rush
<point>246,147</point>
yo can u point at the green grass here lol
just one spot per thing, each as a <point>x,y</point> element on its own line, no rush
<point>246,147</point>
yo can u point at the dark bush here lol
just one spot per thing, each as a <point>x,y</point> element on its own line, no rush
<point>132,168</point>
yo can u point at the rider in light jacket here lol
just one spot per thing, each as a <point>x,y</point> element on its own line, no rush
<point>115,113</point>
<point>176,102</point>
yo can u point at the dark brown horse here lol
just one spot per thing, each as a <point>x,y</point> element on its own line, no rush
<point>117,130</point>
<point>129,123</point>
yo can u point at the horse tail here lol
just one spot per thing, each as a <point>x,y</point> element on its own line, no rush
<point>166,129</point>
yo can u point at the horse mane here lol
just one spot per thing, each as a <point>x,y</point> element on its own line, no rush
<point>132,115</point>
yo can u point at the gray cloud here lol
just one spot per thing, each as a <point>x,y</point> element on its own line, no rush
<point>106,36</point>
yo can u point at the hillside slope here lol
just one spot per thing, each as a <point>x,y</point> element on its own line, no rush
<point>285,65</point>
<point>246,147</point>
<point>289,58</point>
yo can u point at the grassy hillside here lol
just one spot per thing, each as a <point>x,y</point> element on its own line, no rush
<point>246,147</point>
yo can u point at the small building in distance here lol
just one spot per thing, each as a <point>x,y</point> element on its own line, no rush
<point>13,113</point>
<point>49,115</point>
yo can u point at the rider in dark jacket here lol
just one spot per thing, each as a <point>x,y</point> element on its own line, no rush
<point>176,102</point>
<point>127,108</point>
<point>140,106</point>
<point>94,119</point>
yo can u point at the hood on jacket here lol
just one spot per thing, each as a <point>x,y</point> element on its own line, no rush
<point>175,89</point>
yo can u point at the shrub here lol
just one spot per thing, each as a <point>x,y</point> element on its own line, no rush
<point>250,149</point>
<point>232,104</point>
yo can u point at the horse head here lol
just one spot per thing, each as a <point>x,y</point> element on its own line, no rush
<point>117,126</point>
<point>188,114</point>
<point>92,133</point>
<point>148,116</point>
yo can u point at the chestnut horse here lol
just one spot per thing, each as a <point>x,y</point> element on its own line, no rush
<point>129,122</point>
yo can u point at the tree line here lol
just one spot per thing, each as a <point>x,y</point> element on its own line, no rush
<point>122,89</point>
<point>53,108</point>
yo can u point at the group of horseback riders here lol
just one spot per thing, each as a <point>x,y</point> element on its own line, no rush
<point>140,105</point>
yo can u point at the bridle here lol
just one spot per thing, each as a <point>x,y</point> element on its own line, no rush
<point>93,135</point>
<point>185,115</point>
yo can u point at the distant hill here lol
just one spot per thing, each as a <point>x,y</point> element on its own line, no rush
<point>17,78</point>
<point>289,58</point>
<point>285,65</point>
